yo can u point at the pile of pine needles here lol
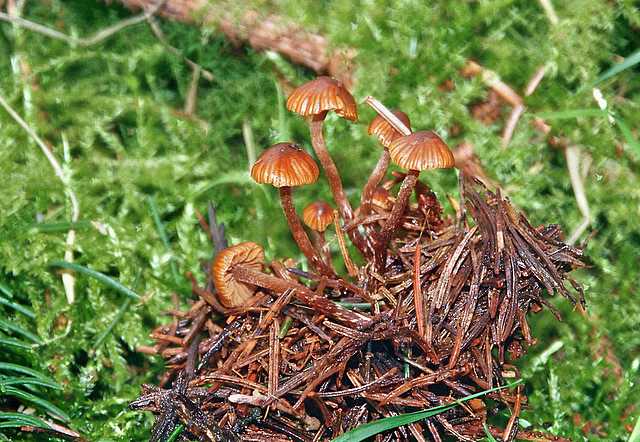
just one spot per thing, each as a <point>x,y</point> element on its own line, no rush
<point>439,327</point>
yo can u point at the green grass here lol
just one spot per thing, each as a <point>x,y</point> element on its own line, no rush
<point>140,171</point>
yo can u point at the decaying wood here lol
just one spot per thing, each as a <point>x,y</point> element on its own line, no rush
<point>261,32</point>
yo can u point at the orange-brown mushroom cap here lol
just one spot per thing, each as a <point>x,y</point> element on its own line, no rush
<point>385,132</point>
<point>321,95</point>
<point>285,164</point>
<point>421,151</point>
<point>232,293</point>
<point>318,216</point>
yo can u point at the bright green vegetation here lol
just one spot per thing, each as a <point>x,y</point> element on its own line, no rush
<point>141,171</point>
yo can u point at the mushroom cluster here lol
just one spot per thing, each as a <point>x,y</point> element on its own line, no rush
<point>435,314</point>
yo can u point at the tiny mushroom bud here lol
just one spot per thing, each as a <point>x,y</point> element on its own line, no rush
<point>418,151</point>
<point>232,293</point>
<point>286,165</point>
<point>386,134</point>
<point>313,100</point>
<point>318,216</point>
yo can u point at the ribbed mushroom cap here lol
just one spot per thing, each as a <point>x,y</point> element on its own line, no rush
<point>380,198</point>
<point>421,151</point>
<point>384,131</point>
<point>321,95</point>
<point>285,164</point>
<point>318,216</point>
<point>232,293</point>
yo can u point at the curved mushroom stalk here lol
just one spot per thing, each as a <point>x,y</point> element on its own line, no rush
<point>376,176</point>
<point>321,246</point>
<point>299,235</point>
<point>333,177</point>
<point>395,218</point>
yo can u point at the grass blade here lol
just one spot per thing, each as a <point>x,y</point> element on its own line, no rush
<point>17,307</point>
<point>10,326</point>
<point>635,434</point>
<point>42,403</point>
<point>24,380</point>
<point>628,135</point>
<point>162,232</point>
<point>16,420</point>
<point>490,437</point>
<point>121,311</point>
<point>59,227</point>
<point>8,366</point>
<point>106,280</point>
<point>572,113</point>
<point>628,62</point>
<point>372,428</point>
<point>176,433</point>
<point>10,342</point>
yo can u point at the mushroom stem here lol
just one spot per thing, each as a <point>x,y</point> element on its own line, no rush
<point>333,176</point>
<point>395,218</point>
<point>376,176</point>
<point>299,235</point>
<point>303,294</point>
<point>385,113</point>
<point>321,245</point>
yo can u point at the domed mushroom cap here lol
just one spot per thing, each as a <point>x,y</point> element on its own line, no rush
<point>285,164</point>
<point>318,216</point>
<point>421,151</point>
<point>384,131</point>
<point>321,95</point>
<point>232,293</point>
<point>380,198</point>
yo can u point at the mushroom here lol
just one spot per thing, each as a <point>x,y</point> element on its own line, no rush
<point>236,272</point>
<point>314,100</point>
<point>232,293</point>
<point>419,151</point>
<point>386,134</point>
<point>318,216</point>
<point>285,165</point>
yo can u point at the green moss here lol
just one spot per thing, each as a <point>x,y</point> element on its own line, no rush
<point>116,105</point>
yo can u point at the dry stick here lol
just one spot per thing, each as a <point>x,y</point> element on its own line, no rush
<point>389,117</point>
<point>572,155</point>
<point>157,31</point>
<point>351,268</point>
<point>535,80</point>
<point>550,11</point>
<point>96,38</point>
<point>302,294</point>
<point>418,301</point>
<point>510,127</point>
<point>75,206</point>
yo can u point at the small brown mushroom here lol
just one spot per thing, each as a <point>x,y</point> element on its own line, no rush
<point>318,216</point>
<point>232,293</point>
<point>285,165</point>
<point>419,151</point>
<point>314,100</point>
<point>386,134</point>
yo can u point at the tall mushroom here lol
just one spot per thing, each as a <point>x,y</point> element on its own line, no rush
<point>318,216</point>
<point>386,134</point>
<point>236,273</point>
<point>419,151</point>
<point>286,165</point>
<point>313,100</point>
